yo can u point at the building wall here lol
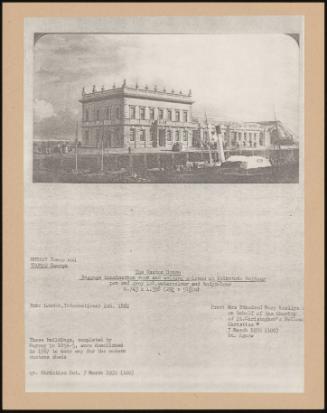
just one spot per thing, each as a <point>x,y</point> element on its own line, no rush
<point>244,136</point>
<point>100,118</point>
<point>151,123</point>
<point>137,123</point>
<point>240,135</point>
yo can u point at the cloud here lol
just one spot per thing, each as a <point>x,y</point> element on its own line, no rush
<point>241,77</point>
<point>61,125</point>
<point>43,110</point>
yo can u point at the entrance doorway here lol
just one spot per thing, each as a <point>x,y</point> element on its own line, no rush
<point>162,137</point>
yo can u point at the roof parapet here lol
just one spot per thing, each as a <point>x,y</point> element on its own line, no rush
<point>136,87</point>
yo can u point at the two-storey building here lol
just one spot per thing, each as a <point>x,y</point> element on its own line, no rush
<point>131,116</point>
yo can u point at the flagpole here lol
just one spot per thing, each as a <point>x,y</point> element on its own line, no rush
<point>76,145</point>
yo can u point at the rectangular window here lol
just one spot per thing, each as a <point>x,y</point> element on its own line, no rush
<point>132,135</point>
<point>98,115</point>
<point>177,116</point>
<point>142,113</point>
<point>185,135</point>
<point>86,115</point>
<point>185,116</point>
<point>117,113</point>
<point>108,113</point>
<point>169,114</point>
<point>177,135</point>
<point>168,135</point>
<point>132,112</point>
<point>86,137</point>
<point>151,113</point>
<point>142,135</point>
<point>161,113</point>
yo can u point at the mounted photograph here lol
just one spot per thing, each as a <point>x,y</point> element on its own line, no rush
<point>161,287</point>
<point>166,108</point>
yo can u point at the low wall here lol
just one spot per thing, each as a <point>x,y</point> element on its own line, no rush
<point>141,161</point>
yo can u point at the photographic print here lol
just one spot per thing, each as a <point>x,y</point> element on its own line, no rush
<point>166,108</point>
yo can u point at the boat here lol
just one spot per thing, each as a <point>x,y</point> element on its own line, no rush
<point>246,165</point>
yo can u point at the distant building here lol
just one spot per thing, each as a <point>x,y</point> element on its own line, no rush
<point>244,135</point>
<point>137,117</point>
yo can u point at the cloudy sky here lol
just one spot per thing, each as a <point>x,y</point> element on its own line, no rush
<point>232,77</point>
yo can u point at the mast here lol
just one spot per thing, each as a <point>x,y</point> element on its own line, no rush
<point>277,130</point>
<point>76,146</point>
<point>210,155</point>
<point>102,149</point>
<point>278,139</point>
<point>220,146</point>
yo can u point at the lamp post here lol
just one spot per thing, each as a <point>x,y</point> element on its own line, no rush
<point>102,148</point>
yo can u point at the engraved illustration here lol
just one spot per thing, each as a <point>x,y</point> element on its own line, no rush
<point>166,108</point>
